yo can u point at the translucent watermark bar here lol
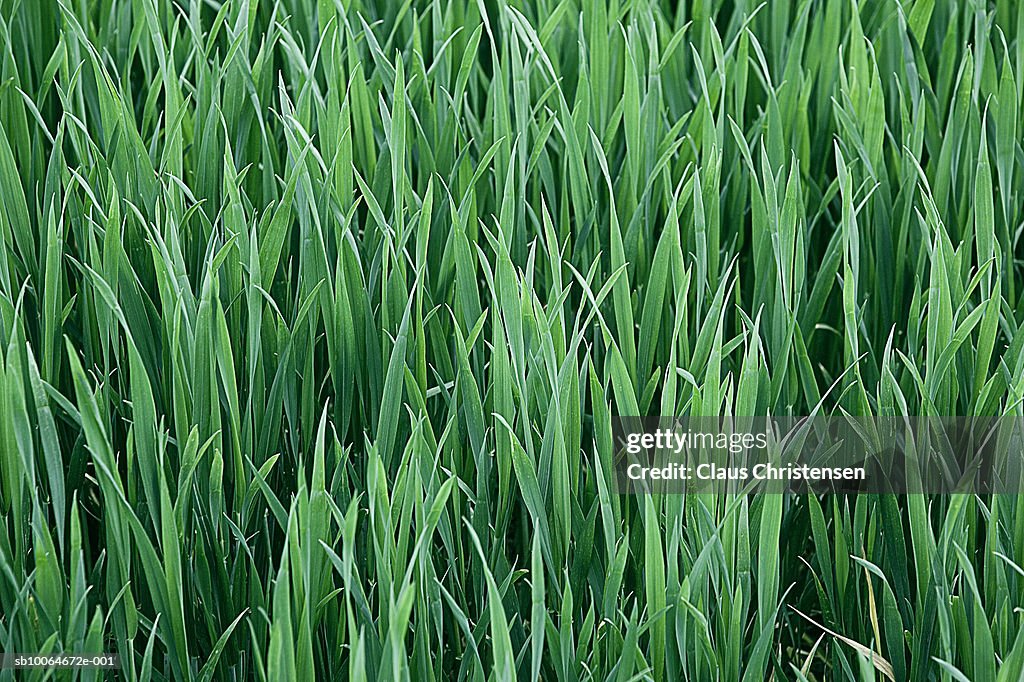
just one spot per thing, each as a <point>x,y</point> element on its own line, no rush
<point>841,454</point>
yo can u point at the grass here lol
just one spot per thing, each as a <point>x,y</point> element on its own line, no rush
<point>314,317</point>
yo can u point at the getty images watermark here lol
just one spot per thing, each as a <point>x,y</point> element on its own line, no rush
<point>842,454</point>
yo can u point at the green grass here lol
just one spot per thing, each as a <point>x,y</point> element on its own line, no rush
<point>314,317</point>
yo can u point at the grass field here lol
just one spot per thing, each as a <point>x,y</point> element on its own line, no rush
<point>315,315</point>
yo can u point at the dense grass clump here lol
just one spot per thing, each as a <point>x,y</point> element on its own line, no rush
<point>314,317</point>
